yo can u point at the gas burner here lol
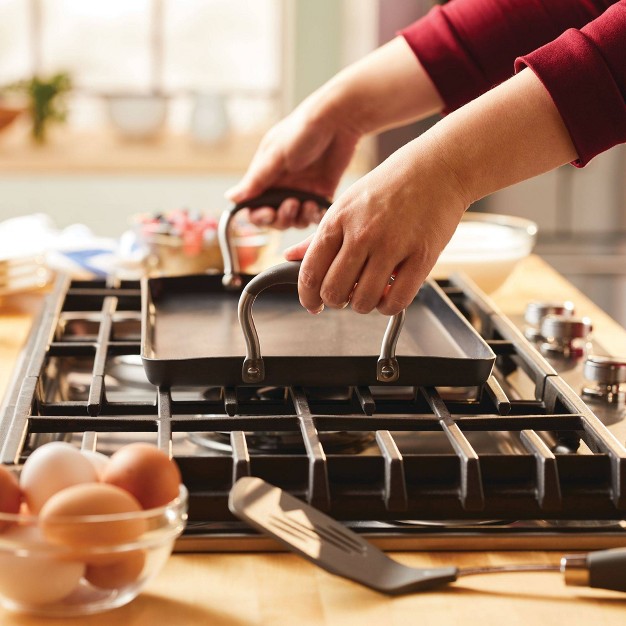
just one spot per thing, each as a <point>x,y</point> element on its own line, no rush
<point>284,442</point>
<point>452,523</point>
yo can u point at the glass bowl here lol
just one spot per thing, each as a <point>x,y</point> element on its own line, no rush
<point>487,247</point>
<point>169,253</point>
<point>104,562</point>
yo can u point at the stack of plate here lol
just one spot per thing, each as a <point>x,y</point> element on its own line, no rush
<point>23,273</point>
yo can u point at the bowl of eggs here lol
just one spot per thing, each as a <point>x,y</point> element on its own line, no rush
<point>81,532</point>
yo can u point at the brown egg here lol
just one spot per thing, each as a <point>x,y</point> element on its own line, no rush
<point>59,523</point>
<point>10,495</point>
<point>146,472</point>
<point>124,570</point>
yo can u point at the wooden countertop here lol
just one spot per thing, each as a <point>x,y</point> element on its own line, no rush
<point>281,589</point>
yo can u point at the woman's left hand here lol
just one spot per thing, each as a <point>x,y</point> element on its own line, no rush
<point>393,222</point>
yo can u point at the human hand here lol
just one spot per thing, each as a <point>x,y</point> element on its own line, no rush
<point>395,221</point>
<point>308,150</point>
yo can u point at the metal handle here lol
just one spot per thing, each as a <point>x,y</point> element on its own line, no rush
<point>603,569</point>
<point>272,198</point>
<point>387,369</point>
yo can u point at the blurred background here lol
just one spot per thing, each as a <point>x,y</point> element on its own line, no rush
<point>109,110</point>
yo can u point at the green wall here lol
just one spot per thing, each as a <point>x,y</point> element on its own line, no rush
<point>317,40</point>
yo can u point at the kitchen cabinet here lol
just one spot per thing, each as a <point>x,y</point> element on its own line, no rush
<point>277,588</point>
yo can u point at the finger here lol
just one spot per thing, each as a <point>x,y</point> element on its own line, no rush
<point>309,214</point>
<point>319,215</point>
<point>263,216</point>
<point>341,277</point>
<point>287,214</point>
<point>372,284</point>
<point>298,250</point>
<point>322,251</point>
<point>409,278</point>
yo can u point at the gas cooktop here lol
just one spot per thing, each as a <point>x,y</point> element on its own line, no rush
<point>534,458</point>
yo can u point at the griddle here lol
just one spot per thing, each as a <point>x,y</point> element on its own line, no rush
<point>191,335</point>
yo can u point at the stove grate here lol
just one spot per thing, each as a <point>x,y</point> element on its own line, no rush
<point>557,459</point>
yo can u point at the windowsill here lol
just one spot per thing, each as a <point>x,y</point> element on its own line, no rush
<point>70,151</point>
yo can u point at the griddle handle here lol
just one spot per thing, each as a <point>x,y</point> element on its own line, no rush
<point>253,371</point>
<point>271,198</point>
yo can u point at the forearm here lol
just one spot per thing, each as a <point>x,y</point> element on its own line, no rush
<point>468,46</point>
<point>509,134</point>
<point>387,88</point>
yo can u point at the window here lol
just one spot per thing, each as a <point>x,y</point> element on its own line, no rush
<point>179,47</point>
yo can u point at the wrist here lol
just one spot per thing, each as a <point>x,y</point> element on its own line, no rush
<point>337,102</point>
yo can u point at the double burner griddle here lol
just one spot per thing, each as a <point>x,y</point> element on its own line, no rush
<point>520,461</point>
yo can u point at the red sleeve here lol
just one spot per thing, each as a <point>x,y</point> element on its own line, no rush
<point>585,73</point>
<point>468,46</point>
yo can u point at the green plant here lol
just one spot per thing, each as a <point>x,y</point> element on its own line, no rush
<point>46,101</point>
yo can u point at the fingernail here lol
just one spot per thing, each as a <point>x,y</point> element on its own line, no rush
<point>264,220</point>
<point>316,311</point>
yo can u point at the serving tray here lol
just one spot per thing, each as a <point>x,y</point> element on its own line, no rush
<point>192,336</point>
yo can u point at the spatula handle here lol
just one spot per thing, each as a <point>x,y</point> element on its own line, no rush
<point>602,569</point>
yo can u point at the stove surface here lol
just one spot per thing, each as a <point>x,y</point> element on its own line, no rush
<point>520,462</point>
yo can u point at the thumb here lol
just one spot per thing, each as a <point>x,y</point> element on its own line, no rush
<point>297,251</point>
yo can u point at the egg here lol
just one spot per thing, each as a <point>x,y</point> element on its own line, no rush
<point>52,467</point>
<point>10,495</point>
<point>62,516</point>
<point>35,578</point>
<point>98,460</point>
<point>146,472</point>
<point>124,570</point>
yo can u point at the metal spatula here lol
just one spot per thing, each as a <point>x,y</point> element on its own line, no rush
<point>329,544</point>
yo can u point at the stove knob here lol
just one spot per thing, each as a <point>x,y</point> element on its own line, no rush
<point>608,373</point>
<point>537,310</point>
<point>605,369</point>
<point>565,334</point>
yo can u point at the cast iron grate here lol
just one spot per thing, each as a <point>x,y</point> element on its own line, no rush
<point>563,464</point>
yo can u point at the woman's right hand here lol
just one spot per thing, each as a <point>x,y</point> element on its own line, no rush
<point>309,150</point>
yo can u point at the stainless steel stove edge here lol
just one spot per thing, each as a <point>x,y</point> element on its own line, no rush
<point>400,542</point>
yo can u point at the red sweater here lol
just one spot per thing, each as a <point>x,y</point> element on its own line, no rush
<point>577,48</point>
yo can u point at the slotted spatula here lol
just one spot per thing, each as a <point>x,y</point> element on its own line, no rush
<point>329,544</point>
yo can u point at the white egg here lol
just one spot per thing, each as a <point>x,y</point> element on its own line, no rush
<point>98,460</point>
<point>28,578</point>
<point>53,467</point>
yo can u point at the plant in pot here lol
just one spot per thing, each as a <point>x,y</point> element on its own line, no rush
<point>46,101</point>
